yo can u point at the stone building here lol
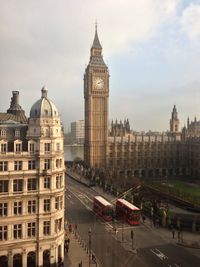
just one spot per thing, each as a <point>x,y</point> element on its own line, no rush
<point>31,185</point>
<point>78,131</point>
<point>151,154</point>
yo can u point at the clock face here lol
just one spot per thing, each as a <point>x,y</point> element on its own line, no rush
<point>98,83</point>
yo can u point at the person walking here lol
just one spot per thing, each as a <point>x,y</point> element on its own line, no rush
<point>173,233</point>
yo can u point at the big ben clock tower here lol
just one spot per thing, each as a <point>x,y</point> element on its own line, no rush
<point>96,92</point>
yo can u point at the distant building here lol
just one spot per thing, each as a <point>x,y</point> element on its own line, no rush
<point>31,185</point>
<point>78,131</point>
<point>116,147</point>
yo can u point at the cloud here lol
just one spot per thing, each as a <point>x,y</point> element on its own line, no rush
<point>190,21</point>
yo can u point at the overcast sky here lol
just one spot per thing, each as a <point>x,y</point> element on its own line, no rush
<point>152,48</point>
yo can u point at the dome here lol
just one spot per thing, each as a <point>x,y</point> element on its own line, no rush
<point>44,108</point>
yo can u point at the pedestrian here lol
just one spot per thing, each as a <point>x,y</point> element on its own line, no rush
<point>143,219</point>
<point>179,235</point>
<point>173,233</point>
<point>70,228</point>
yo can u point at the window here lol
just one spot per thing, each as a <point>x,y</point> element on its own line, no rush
<point>58,163</point>
<point>58,225</point>
<point>46,228</point>
<point>18,165</point>
<point>3,232</point>
<point>17,208</point>
<point>17,231</point>
<point>32,184</point>
<point>47,147</point>
<point>3,209</point>
<point>47,182</point>
<point>47,164</point>
<point>3,132</point>
<point>17,133</point>
<point>58,203</point>
<point>31,206</point>
<point>58,181</point>
<point>18,148</point>
<point>31,229</point>
<point>17,185</point>
<point>3,148</point>
<point>47,205</point>
<point>3,186</point>
<point>3,166</point>
<point>32,147</point>
<point>31,164</point>
<point>57,146</point>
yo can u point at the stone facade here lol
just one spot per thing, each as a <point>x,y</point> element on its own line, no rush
<point>32,186</point>
<point>151,154</point>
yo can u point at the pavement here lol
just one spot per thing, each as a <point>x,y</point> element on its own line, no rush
<point>78,252</point>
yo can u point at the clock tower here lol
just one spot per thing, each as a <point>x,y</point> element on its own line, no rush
<point>96,93</point>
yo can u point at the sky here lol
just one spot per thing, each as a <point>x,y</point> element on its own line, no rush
<point>152,49</point>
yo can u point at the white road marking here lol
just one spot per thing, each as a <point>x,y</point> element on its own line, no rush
<point>159,254</point>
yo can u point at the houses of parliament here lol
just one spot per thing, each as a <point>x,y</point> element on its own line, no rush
<point>174,153</point>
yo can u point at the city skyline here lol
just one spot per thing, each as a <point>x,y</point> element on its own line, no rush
<point>152,53</point>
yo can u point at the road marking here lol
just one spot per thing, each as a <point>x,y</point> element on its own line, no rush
<point>159,254</point>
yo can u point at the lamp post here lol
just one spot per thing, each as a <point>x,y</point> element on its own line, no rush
<point>89,234</point>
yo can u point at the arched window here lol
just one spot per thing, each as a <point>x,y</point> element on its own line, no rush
<point>46,258</point>
<point>4,261</point>
<point>31,259</point>
<point>17,260</point>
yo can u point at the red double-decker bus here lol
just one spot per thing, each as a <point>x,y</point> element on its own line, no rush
<point>127,212</point>
<point>103,208</point>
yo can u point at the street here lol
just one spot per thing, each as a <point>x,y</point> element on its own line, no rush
<point>114,249</point>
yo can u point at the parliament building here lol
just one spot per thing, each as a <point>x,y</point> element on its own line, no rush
<point>174,153</point>
<point>31,185</point>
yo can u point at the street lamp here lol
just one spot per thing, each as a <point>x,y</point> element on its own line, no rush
<point>89,234</point>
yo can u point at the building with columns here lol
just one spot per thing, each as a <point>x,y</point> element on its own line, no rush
<point>117,148</point>
<point>31,185</point>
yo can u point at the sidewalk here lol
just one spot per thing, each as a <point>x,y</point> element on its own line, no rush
<point>77,253</point>
<point>188,239</point>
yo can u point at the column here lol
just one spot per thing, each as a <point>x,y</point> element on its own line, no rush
<point>10,258</point>
<point>53,254</point>
<point>24,258</point>
<point>40,257</point>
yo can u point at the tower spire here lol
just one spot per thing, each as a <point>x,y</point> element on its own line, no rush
<point>96,43</point>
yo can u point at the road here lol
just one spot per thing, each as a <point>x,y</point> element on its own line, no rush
<point>152,250</point>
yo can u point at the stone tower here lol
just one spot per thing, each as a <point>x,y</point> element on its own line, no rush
<point>96,93</point>
<point>174,121</point>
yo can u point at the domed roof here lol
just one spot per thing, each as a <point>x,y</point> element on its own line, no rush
<point>44,108</point>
